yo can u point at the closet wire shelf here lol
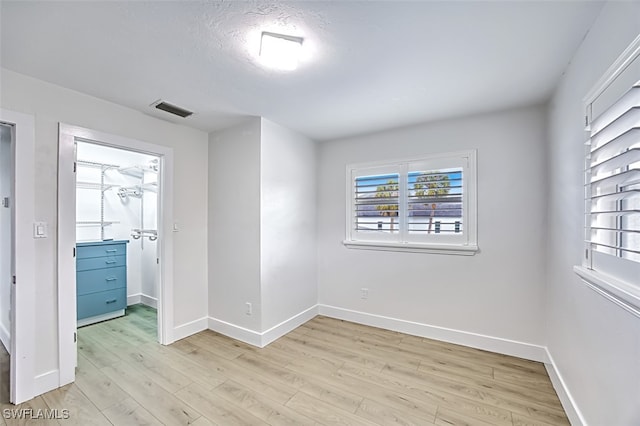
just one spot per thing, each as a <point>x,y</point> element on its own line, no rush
<point>94,185</point>
<point>136,191</point>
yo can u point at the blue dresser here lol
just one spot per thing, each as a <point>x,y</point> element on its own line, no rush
<point>101,280</point>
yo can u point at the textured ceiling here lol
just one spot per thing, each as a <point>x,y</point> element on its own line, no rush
<point>369,65</point>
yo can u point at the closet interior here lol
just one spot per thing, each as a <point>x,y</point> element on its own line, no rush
<point>116,231</point>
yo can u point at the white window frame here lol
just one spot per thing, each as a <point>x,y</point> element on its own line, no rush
<point>466,243</point>
<point>611,277</point>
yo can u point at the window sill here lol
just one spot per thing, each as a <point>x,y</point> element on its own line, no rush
<point>619,292</point>
<point>459,250</point>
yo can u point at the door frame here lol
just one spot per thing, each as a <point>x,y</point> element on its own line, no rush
<point>23,312</point>
<point>68,134</point>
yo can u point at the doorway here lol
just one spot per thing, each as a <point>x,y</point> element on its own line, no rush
<point>116,209</point>
<point>17,277</point>
<point>118,192</point>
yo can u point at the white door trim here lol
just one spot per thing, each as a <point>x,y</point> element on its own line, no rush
<point>22,375</point>
<point>67,237</point>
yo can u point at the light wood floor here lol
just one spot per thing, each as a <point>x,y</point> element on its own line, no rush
<point>326,372</point>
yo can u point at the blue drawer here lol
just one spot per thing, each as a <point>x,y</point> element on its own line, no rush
<point>88,264</point>
<point>101,279</point>
<point>90,305</point>
<point>100,250</point>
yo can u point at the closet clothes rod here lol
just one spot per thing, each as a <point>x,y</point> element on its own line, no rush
<point>95,164</point>
<point>152,234</point>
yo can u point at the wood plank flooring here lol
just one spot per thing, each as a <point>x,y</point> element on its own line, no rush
<point>326,372</point>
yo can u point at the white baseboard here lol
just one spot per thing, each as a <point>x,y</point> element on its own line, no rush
<point>101,317</point>
<point>149,301</point>
<point>186,330</point>
<point>474,340</point>
<point>235,331</point>
<point>262,339</point>
<point>568,403</point>
<point>5,338</point>
<point>465,338</point>
<point>46,382</point>
<point>134,299</point>
<point>277,331</point>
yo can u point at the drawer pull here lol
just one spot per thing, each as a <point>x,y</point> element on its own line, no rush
<point>110,262</point>
<point>111,251</point>
<point>111,301</point>
<point>111,279</point>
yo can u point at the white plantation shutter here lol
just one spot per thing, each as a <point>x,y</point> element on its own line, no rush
<point>375,203</point>
<point>613,187</point>
<point>612,184</point>
<point>437,200</point>
<point>376,197</point>
<point>435,194</point>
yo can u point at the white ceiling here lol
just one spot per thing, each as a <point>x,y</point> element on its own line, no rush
<point>372,64</point>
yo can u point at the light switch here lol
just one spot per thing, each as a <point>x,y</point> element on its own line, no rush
<point>176,228</point>
<point>40,230</point>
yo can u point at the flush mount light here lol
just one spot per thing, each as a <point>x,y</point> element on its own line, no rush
<point>280,51</point>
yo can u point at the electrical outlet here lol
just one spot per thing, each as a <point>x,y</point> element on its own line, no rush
<point>364,293</point>
<point>249,309</point>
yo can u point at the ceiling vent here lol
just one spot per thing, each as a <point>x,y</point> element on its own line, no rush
<point>172,109</point>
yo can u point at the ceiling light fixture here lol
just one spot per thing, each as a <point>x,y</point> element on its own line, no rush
<point>280,51</point>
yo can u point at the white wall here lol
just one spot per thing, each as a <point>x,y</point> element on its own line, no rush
<point>51,104</point>
<point>148,284</point>
<point>594,343</point>
<point>234,225</point>
<point>5,236</point>
<point>499,292</point>
<point>287,224</point>
<point>261,230</point>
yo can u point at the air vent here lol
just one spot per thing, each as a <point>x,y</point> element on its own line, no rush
<point>172,109</point>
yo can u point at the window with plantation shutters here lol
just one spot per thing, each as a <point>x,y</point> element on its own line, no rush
<point>613,195</point>
<point>422,204</point>
<point>611,263</point>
